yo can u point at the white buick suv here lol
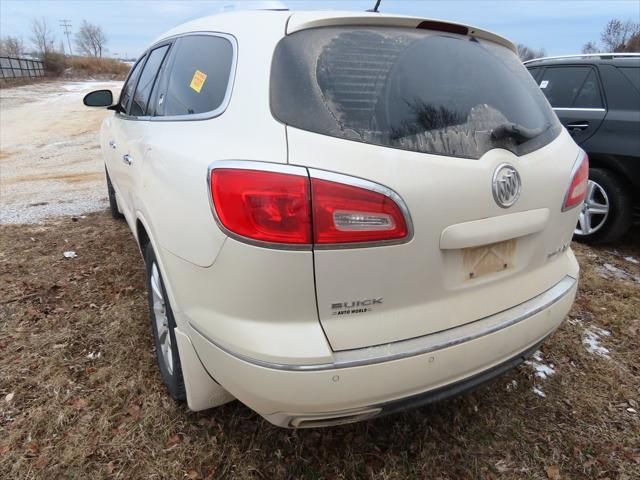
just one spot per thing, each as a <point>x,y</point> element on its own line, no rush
<point>341,214</point>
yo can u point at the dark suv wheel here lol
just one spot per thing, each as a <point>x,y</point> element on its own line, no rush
<point>606,212</point>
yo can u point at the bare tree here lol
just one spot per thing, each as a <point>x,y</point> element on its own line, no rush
<point>634,43</point>
<point>91,39</point>
<point>617,34</point>
<point>527,53</point>
<point>590,47</point>
<point>42,36</point>
<point>12,46</point>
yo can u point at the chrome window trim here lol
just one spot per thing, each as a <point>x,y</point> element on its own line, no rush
<point>426,343</point>
<point>230,81</point>
<point>309,173</point>
<point>263,167</point>
<point>574,169</point>
<point>374,187</point>
<point>580,109</point>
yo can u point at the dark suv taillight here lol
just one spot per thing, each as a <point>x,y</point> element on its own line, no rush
<point>274,207</point>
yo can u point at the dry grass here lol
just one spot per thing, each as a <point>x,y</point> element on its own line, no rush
<point>72,416</point>
<point>92,66</point>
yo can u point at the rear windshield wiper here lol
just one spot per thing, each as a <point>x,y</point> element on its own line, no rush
<point>518,132</point>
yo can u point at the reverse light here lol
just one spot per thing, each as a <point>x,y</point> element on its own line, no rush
<point>284,206</point>
<point>578,184</point>
<point>347,213</point>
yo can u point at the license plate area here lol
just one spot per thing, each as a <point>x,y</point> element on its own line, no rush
<point>487,259</point>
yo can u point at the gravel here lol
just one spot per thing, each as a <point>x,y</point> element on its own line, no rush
<point>50,159</point>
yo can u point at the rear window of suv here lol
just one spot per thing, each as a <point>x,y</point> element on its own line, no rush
<point>409,89</point>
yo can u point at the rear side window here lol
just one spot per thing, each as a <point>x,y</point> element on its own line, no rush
<point>409,89</point>
<point>198,78</point>
<point>589,94</point>
<point>127,90</point>
<point>147,79</point>
<point>571,87</point>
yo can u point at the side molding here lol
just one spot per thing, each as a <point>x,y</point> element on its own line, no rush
<point>202,391</point>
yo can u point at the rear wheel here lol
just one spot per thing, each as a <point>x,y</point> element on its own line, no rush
<point>113,201</point>
<point>162,325</point>
<point>606,212</point>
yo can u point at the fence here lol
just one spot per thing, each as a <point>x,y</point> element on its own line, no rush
<point>13,67</point>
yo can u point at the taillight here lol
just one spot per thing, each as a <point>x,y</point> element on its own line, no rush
<point>265,206</point>
<point>347,213</point>
<point>273,207</point>
<point>578,183</point>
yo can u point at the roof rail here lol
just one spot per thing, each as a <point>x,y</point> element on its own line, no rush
<point>588,55</point>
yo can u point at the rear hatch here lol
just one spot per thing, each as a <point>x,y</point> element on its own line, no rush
<point>413,109</point>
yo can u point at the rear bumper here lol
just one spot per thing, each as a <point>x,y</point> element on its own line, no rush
<point>368,382</point>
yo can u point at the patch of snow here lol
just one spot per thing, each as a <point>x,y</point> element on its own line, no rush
<point>541,369</point>
<point>591,341</point>
<point>632,260</point>
<point>611,271</point>
<point>512,386</point>
<point>94,355</point>
<point>539,392</point>
<point>70,254</point>
<point>600,331</point>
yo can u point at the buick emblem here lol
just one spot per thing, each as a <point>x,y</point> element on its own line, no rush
<point>506,185</point>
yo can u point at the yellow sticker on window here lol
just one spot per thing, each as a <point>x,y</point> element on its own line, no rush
<point>198,80</point>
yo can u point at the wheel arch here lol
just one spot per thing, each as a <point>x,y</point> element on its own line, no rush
<point>202,391</point>
<point>619,167</point>
<point>145,237</point>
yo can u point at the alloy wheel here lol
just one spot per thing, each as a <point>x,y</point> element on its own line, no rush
<point>161,318</point>
<point>594,210</point>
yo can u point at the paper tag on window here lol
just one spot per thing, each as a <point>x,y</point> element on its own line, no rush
<point>543,83</point>
<point>198,80</point>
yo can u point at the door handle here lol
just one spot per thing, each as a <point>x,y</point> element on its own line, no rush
<point>112,144</point>
<point>577,125</point>
<point>128,159</point>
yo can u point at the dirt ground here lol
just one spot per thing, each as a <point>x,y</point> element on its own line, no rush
<point>50,161</point>
<point>81,396</point>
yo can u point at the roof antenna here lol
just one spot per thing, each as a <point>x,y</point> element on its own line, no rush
<point>375,9</point>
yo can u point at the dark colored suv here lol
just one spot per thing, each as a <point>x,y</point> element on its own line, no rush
<point>597,98</point>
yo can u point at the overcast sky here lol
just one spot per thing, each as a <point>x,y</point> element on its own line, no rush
<point>558,26</point>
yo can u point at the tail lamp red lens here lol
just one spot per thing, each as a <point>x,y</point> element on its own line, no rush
<point>264,206</point>
<point>346,214</point>
<point>282,208</point>
<point>578,184</point>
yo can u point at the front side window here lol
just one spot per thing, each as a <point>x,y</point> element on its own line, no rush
<point>198,78</point>
<point>127,90</point>
<point>410,89</point>
<point>147,79</point>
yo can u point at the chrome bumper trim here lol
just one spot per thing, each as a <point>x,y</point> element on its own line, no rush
<point>426,343</point>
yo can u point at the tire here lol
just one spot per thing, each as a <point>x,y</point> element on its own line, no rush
<point>113,201</point>
<point>605,190</point>
<point>163,324</point>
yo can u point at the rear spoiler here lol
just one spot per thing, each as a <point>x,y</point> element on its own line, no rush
<point>305,20</point>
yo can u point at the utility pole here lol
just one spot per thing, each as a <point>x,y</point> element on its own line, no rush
<point>66,24</point>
